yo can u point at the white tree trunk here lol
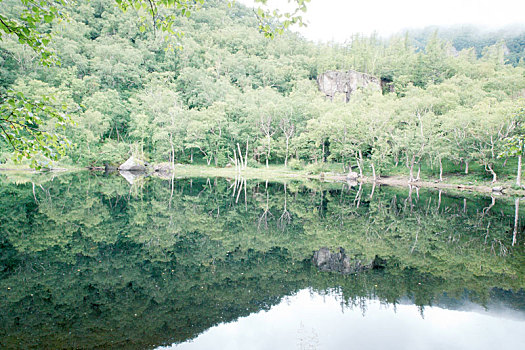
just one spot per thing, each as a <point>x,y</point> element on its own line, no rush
<point>412,162</point>
<point>516,221</point>
<point>518,177</point>
<point>286,157</point>
<point>246,156</point>
<point>494,175</point>
<point>360,164</point>
<point>268,154</point>
<point>240,157</point>
<point>440,170</point>
<point>373,171</point>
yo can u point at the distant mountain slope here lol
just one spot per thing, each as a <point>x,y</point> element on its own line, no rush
<point>469,36</point>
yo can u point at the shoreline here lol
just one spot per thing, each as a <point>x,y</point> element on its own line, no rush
<point>282,174</point>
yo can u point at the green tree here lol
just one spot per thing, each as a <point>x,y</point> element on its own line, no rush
<point>28,21</point>
<point>514,145</point>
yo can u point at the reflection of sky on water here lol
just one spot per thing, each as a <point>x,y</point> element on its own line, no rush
<point>312,321</point>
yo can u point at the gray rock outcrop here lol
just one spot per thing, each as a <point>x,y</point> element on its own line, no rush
<point>341,85</point>
<point>133,164</point>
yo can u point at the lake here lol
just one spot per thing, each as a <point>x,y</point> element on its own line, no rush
<point>90,261</point>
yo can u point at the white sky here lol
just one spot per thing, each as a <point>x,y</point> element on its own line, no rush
<point>338,19</point>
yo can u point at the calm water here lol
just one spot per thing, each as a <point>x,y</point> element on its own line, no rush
<point>89,261</point>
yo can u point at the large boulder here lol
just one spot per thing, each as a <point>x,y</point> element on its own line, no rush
<point>134,164</point>
<point>341,85</point>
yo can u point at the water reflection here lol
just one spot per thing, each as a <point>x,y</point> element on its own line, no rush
<point>310,320</point>
<point>91,261</point>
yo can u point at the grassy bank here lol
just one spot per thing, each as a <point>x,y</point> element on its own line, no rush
<point>454,178</point>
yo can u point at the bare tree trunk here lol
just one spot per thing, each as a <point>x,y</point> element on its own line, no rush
<point>412,162</point>
<point>439,199</point>
<point>286,157</point>
<point>360,164</point>
<point>466,167</point>
<point>241,183</point>
<point>246,156</point>
<point>440,170</point>
<point>172,152</point>
<point>418,172</point>
<point>245,197</point>
<point>357,200</point>
<point>494,175</point>
<point>240,156</point>
<point>235,159</point>
<point>268,154</point>
<point>191,155</point>
<point>516,222</point>
<point>518,177</point>
<point>487,209</point>
<point>373,171</point>
<point>34,193</point>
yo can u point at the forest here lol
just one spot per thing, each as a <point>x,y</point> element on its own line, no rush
<point>452,101</point>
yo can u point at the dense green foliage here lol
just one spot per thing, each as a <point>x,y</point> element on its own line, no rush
<point>28,125</point>
<point>86,262</point>
<point>229,85</point>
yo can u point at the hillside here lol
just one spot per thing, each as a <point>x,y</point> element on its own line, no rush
<point>223,86</point>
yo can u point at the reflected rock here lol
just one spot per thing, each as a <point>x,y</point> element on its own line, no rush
<point>340,262</point>
<point>497,190</point>
<point>351,179</point>
<point>352,183</point>
<point>163,170</point>
<point>131,176</point>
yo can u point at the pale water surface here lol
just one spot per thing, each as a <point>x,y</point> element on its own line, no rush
<point>309,320</point>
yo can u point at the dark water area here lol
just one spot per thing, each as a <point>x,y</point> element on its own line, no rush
<point>90,261</point>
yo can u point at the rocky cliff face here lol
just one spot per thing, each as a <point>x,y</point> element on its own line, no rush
<point>340,85</point>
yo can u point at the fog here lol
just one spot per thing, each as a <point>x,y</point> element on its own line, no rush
<point>336,20</point>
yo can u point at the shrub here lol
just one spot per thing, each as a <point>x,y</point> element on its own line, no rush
<point>296,164</point>
<point>316,168</point>
<point>252,163</point>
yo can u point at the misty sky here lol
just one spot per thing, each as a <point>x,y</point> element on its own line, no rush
<point>337,19</point>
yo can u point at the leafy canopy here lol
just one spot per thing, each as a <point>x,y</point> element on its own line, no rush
<point>22,117</point>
